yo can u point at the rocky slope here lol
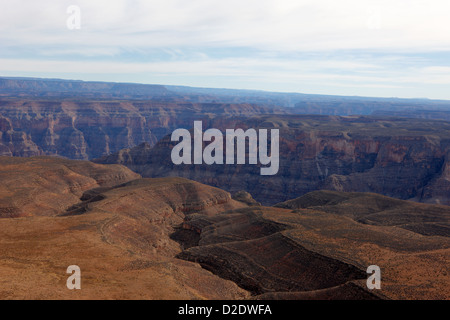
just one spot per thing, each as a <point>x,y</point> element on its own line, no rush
<point>401,158</point>
<point>117,232</point>
<point>319,247</point>
<point>46,186</point>
<point>172,238</point>
<point>422,114</point>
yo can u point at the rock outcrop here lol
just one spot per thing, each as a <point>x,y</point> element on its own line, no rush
<point>87,129</point>
<point>43,186</point>
<point>401,158</point>
<point>320,245</point>
<point>117,231</point>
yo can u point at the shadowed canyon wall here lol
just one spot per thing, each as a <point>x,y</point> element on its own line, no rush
<point>401,158</point>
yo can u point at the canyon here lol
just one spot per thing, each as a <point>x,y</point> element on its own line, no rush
<point>401,158</point>
<point>173,238</point>
<point>91,129</point>
<point>87,179</point>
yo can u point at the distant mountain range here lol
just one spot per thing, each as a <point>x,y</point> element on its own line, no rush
<point>298,102</point>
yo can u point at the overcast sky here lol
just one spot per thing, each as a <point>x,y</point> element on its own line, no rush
<point>395,48</point>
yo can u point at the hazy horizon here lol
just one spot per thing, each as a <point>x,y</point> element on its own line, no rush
<point>225,89</point>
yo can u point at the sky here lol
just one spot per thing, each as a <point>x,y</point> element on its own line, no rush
<point>395,48</point>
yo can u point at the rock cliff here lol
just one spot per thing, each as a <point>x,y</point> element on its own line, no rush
<point>87,129</point>
<point>401,158</point>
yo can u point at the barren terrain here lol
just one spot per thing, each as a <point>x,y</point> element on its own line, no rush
<point>172,238</point>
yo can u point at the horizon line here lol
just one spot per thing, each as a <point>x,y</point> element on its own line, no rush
<point>220,88</point>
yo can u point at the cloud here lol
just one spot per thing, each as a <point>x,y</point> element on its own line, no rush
<point>291,44</point>
<point>281,25</point>
<point>340,71</point>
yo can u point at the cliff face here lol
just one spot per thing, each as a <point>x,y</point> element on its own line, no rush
<point>91,129</point>
<point>401,158</point>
